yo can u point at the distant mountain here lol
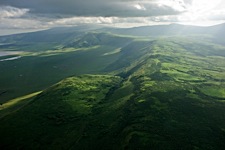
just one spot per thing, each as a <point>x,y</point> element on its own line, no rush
<point>67,34</point>
<point>96,38</point>
<point>168,30</point>
<point>50,35</point>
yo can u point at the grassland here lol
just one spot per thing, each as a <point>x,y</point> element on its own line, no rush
<point>161,93</point>
<point>63,105</point>
<point>48,60</point>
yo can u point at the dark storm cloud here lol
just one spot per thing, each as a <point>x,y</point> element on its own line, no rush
<point>106,8</point>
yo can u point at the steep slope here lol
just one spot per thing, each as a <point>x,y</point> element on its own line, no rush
<point>58,117</point>
<point>86,53</point>
<point>163,94</point>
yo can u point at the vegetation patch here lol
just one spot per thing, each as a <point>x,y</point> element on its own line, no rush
<point>214,91</point>
<point>107,91</point>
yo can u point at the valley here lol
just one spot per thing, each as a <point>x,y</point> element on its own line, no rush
<point>120,89</point>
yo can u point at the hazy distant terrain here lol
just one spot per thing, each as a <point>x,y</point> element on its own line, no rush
<point>156,87</point>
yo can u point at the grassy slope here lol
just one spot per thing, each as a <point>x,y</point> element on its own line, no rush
<point>16,104</point>
<point>170,110</point>
<point>57,117</point>
<point>19,77</point>
<point>170,96</point>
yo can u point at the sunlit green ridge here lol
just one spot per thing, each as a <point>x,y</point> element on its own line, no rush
<point>135,93</point>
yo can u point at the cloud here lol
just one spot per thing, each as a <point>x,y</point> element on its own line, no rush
<point>139,6</point>
<point>104,8</point>
<point>43,14</point>
<point>177,5</point>
<point>111,21</point>
<point>18,23</point>
<point>18,18</point>
<point>12,12</point>
<point>34,14</point>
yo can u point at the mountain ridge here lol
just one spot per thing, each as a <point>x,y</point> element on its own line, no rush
<point>165,93</point>
<point>99,28</point>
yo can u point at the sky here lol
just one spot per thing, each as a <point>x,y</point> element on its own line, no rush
<point>31,15</point>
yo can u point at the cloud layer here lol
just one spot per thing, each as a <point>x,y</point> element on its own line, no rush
<point>106,8</point>
<point>41,14</point>
<point>12,12</point>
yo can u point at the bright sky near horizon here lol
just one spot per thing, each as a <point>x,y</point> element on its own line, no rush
<point>29,15</point>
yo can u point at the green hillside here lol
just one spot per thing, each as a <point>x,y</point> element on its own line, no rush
<point>162,93</point>
<point>48,66</point>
